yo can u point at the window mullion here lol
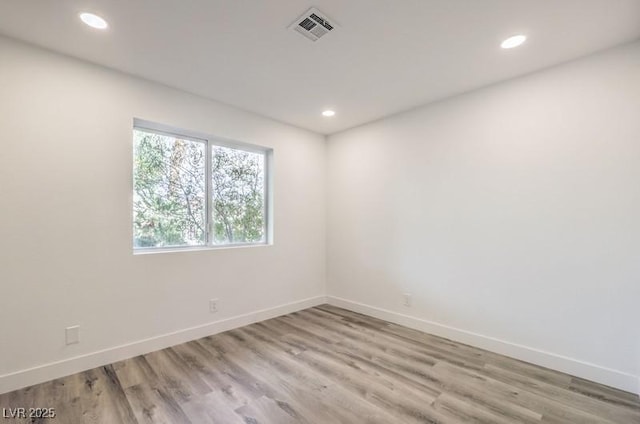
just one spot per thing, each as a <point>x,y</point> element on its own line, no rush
<point>209,192</point>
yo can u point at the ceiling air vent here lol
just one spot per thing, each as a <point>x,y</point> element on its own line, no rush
<point>313,24</point>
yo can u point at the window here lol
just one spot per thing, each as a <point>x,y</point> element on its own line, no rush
<point>197,191</point>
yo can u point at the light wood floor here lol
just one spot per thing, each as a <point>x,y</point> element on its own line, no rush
<point>325,365</point>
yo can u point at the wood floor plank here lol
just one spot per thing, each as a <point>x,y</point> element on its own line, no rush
<point>606,394</point>
<point>503,394</point>
<point>406,400</point>
<point>266,410</point>
<point>465,386</point>
<point>325,365</point>
<point>154,405</point>
<point>208,366</point>
<point>96,397</point>
<point>175,376</point>
<point>567,397</point>
<point>457,407</point>
<point>300,392</point>
<point>316,388</point>
<point>212,408</point>
<point>66,396</point>
<point>316,396</point>
<point>449,347</point>
<point>307,395</point>
<point>135,371</point>
<point>394,345</point>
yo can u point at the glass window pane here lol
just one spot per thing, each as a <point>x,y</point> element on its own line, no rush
<point>238,181</point>
<point>169,195</point>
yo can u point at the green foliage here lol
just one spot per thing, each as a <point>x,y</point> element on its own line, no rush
<point>169,199</point>
<point>238,195</point>
<point>169,191</point>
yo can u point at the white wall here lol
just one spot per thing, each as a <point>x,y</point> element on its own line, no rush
<point>512,214</point>
<point>65,220</point>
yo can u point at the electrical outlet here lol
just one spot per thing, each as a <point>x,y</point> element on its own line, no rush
<point>72,334</point>
<point>213,306</point>
<point>407,299</point>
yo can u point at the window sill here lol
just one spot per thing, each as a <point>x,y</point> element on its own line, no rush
<point>154,250</point>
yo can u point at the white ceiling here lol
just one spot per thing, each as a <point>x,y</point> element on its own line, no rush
<point>387,55</point>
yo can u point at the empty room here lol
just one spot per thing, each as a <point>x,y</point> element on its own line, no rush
<point>339,211</point>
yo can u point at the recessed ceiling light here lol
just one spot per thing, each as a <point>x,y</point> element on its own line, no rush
<point>94,21</point>
<point>328,113</point>
<point>514,41</point>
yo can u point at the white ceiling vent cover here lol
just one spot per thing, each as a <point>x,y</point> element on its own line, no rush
<point>313,24</point>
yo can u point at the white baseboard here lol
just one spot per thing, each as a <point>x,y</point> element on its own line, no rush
<point>603,375</point>
<point>50,371</point>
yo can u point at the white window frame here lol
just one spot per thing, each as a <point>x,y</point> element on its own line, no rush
<point>210,142</point>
